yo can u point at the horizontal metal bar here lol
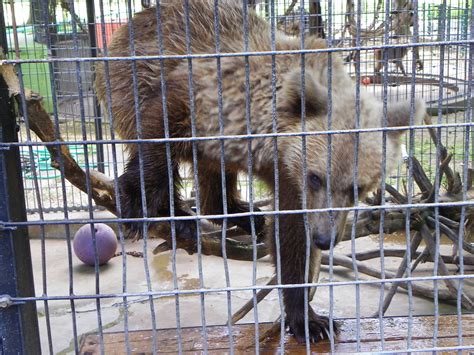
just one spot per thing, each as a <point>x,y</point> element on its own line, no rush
<point>243,136</point>
<point>7,227</point>
<point>8,301</point>
<point>245,214</point>
<point>5,301</point>
<point>424,349</point>
<point>242,288</point>
<point>236,54</point>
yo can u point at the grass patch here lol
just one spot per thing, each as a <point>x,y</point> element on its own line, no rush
<point>36,76</point>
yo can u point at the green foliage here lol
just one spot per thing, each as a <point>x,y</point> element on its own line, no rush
<point>436,12</point>
<point>36,76</point>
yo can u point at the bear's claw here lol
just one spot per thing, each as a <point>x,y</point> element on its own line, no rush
<point>318,327</point>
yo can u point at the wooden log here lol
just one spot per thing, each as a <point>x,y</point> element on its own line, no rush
<point>368,339</point>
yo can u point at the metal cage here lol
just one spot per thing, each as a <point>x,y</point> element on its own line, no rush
<point>152,291</point>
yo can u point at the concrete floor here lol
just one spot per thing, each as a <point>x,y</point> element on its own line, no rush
<point>82,279</point>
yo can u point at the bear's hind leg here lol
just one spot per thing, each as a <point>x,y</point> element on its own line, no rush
<point>210,188</point>
<point>156,181</point>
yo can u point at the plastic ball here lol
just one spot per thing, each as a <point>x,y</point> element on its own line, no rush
<point>366,81</point>
<point>106,242</point>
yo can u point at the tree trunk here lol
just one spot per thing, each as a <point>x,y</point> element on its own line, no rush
<point>316,23</point>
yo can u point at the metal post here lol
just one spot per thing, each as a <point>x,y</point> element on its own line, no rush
<point>97,115</point>
<point>470,63</point>
<point>18,322</point>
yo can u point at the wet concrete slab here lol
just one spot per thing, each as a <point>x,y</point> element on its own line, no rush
<point>139,275</point>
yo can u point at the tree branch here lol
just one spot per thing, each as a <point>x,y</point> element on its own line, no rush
<point>402,268</point>
<point>466,302</point>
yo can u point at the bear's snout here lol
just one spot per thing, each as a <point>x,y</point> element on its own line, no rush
<point>322,240</point>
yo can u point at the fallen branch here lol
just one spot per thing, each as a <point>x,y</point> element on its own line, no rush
<point>268,334</point>
<point>402,268</point>
<point>400,253</point>
<point>466,302</point>
<point>249,305</point>
<point>450,234</point>
<point>418,290</point>
<point>421,258</point>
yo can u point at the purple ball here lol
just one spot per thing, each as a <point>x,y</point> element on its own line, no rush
<point>106,242</point>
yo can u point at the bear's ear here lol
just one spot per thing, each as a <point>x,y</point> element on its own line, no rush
<point>316,96</point>
<point>398,114</point>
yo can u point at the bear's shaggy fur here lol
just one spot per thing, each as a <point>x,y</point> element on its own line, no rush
<point>167,110</point>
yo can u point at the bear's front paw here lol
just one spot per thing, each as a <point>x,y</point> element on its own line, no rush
<point>186,230</point>
<point>245,222</point>
<point>186,235</point>
<point>318,327</point>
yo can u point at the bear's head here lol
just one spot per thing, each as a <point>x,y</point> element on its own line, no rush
<point>360,151</point>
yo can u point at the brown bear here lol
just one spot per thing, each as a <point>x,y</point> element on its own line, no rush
<point>217,104</point>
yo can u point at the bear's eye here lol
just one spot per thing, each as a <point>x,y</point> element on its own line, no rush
<point>314,181</point>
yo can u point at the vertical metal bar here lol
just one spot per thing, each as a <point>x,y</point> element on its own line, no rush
<point>88,177</point>
<point>223,175</point>
<point>329,74</point>
<point>169,164</point>
<point>248,118</point>
<point>40,209</point>
<point>192,109</point>
<point>271,8</point>
<point>95,102</point>
<point>408,239</point>
<point>382,192</point>
<point>356,171</point>
<point>468,118</point>
<point>442,34</point>
<point>139,129</point>
<point>47,32</point>
<point>304,187</point>
<point>115,175</point>
<point>18,323</point>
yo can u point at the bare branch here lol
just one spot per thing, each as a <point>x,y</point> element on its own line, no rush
<point>450,284</point>
<point>247,307</point>
<point>418,290</point>
<point>66,6</point>
<point>402,268</point>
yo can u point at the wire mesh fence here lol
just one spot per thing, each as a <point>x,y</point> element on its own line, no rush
<point>33,43</point>
<point>274,127</point>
